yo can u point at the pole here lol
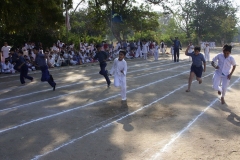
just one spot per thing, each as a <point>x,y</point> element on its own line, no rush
<point>66,21</point>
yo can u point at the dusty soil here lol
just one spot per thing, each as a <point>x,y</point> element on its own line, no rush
<point>84,120</point>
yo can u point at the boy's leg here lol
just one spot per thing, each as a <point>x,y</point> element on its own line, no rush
<point>123,89</point>
<point>175,55</point>
<point>178,55</point>
<point>216,83</point>
<point>225,83</point>
<point>104,73</point>
<point>22,76</point>
<point>191,76</point>
<point>25,69</point>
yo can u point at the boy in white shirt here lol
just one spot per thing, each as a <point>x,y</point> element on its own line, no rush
<point>224,70</point>
<point>144,50</point>
<point>172,52</point>
<point>8,67</point>
<point>119,69</point>
<point>191,49</point>
<point>156,52</point>
<point>207,52</point>
<point>5,51</point>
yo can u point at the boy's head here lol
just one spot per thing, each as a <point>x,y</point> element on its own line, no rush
<point>122,54</point>
<point>197,50</point>
<point>227,49</point>
<point>99,47</point>
<point>35,50</point>
<point>6,61</point>
<point>20,53</point>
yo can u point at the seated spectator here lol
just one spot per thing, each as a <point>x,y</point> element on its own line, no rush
<point>60,61</point>
<point>51,61</point>
<point>7,67</point>
<point>32,61</point>
<point>31,66</point>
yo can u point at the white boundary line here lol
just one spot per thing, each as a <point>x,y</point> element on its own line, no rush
<point>111,123</point>
<point>64,86</point>
<point>178,134</point>
<point>83,106</point>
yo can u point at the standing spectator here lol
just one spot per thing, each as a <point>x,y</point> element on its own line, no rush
<point>162,48</point>
<point>207,52</point>
<point>191,49</point>
<point>177,47</point>
<point>5,51</point>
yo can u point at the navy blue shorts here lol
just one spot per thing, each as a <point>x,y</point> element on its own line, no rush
<point>197,70</point>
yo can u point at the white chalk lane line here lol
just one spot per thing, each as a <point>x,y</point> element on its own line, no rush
<point>111,123</point>
<point>177,135</point>
<point>64,86</point>
<point>89,104</point>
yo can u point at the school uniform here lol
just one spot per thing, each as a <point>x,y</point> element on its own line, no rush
<point>197,61</point>
<point>119,77</point>
<point>138,52</point>
<point>7,68</point>
<point>46,76</point>
<point>162,49</point>
<point>102,57</point>
<point>191,49</point>
<point>207,53</point>
<point>23,70</point>
<point>5,52</point>
<point>177,47</point>
<point>172,52</point>
<point>156,52</point>
<point>144,50</point>
<point>221,74</point>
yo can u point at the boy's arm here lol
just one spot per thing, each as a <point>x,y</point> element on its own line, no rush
<point>186,52</point>
<point>204,66</point>
<point>125,69</point>
<point>113,67</point>
<point>233,69</point>
<point>230,75</point>
<point>213,62</point>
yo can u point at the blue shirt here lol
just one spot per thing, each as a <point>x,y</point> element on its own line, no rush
<point>197,59</point>
<point>101,56</point>
<point>177,44</point>
<point>40,60</point>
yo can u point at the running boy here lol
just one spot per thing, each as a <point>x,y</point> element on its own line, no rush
<point>196,68</point>
<point>23,68</point>
<point>41,62</point>
<point>102,57</point>
<point>119,69</point>
<point>224,70</point>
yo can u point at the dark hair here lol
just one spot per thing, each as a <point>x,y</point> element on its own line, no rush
<point>36,48</point>
<point>227,47</point>
<point>197,48</point>
<point>123,52</point>
<point>20,51</point>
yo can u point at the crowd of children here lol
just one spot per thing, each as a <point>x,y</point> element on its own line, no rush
<point>61,54</point>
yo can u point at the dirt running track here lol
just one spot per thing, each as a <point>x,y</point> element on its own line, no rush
<point>84,120</point>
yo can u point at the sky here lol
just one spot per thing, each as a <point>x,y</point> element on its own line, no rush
<point>155,7</point>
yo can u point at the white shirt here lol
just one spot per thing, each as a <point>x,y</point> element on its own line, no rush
<point>191,49</point>
<point>5,50</point>
<point>207,49</point>
<point>144,48</point>
<point>224,64</point>
<point>156,48</point>
<point>119,66</point>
